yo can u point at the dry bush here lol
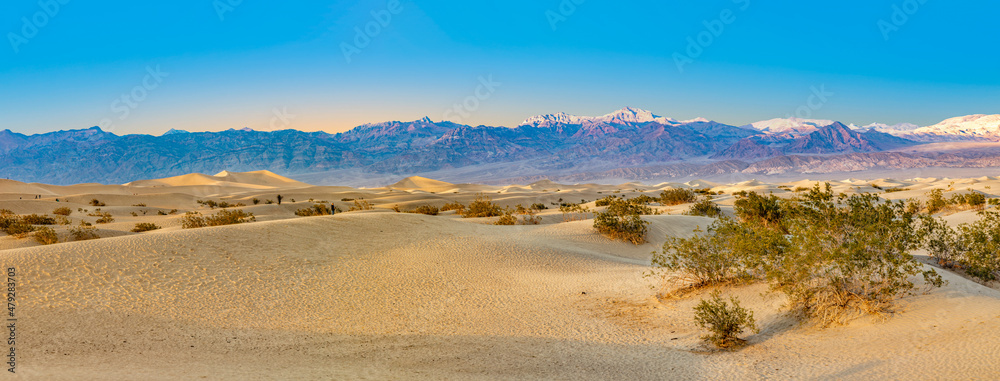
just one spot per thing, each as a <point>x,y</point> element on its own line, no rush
<point>144,227</point>
<point>96,202</point>
<point>34,219</point>
<point>193,220</point>
<point>575,212</point>
<point>230,217</point>
<point>63,211</point>
<point>456,206</point>
<point>506,219</point>
<point>427,209</point>
<point>105,218</point>
<point>315,210</point>
<point>46,236</point>
<point>361,204</point>
<point>723,321</point>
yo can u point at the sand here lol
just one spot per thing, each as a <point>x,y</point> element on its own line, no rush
<point>384,295</point>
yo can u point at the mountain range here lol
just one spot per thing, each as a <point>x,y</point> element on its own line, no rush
<point>629,144</point>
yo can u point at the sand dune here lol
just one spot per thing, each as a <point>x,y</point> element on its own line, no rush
<point>384,295</point>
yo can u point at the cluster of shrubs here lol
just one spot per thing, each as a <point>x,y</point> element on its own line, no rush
<point>193,220</point>
<point>22,226</point>
<point>103,217</point>
<point>361,205</point>
<point>221,204</point>
<point>936,202</point>
<point>834,256</point>
<point>677,196</point>
<point>971,247</point>
<point>96,202</point>
<point>528,216</point>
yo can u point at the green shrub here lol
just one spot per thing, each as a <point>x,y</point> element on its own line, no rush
<point>46,236</point>
<point>842,256</point>
<point>144,227</point>
<point>705,208</point>
<point>482,207</point>
<point>63,211</point>
<point>622,221</point>
<point>754,208</point>
<point>724,322</point>
<point>732,252</point>
<point>974,248</point>
<point>936,201</point>
<point>678,196</point>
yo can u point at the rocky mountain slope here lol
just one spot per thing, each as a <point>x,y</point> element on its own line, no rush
<point>616,144</point>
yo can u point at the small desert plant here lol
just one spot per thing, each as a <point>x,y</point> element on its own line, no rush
<point>723,321</point>
<point>538,206</point>
<point>897,189</point>
<point>506,219</point>
<point>161,213</point>
<point>482,207</point>
<point>256,201</point>
<point>83,233</point>
<point>426,209</point>
<point>705,208</point>
<point>230,217</point>
<point>96,202</point>
<point>140,205</point>
<point>677,196</point>
<point>62,220</point>
<point>144,227</point>
<point>34,219</point>
<point>63,211</point>
<point>575,212</point>
<point>134,214</point>
<point>268,202</point>
<point>974,248</point>
<point>46,236</point>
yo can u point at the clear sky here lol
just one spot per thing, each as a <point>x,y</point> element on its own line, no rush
<point>146,67</point>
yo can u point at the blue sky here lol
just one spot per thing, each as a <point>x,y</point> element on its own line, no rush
<point>213,65</point>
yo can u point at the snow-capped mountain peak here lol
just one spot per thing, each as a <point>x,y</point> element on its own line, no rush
<point>886,128</point>
<point>626,115</point>
<point>795,126</point>
<point>971,125</point>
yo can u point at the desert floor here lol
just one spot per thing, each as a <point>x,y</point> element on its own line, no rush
<point>384,295</point>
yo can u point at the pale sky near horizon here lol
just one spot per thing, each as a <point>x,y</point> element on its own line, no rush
<point>138,67</point>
